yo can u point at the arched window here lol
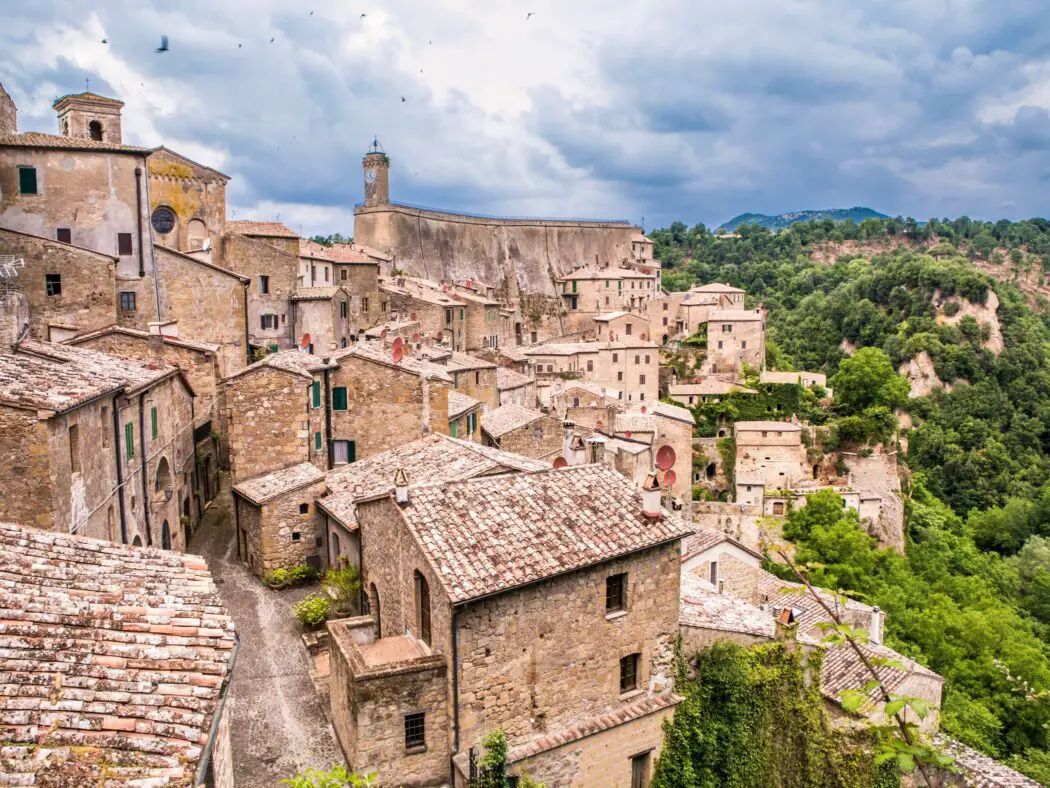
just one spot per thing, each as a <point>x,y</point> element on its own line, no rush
<point>95,130</point>
<point>138,541</point>
<point>196,234</point>
<point>165,536</point>
<point>163,483</point>
<point>423,607</point>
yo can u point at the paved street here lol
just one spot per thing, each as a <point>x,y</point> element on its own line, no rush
<point>277,723</point>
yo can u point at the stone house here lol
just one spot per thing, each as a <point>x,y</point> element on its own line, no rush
<point>570,399</point>
<point>470,375</point>
<point>686,313</point>
<point>85,187</point>
<point>805,379</point>
<point>357,272</point>
<point>474,589</point>
<point>631,367</point>
<point>769,456</point>
<point>389,330</point>
<point>707,390</point>
<point>671,441</point>
<point>613,326</point>
<point>464,416</point>
<point>187,202</point>
<point>8,113</point>
<point>321,318</point>
<point>735,337</point>
<point>69,288</point>
<point>479,311</point>
<point>442,317</point>
<point>665,316</point>
<point>524,431</point>
<point>433,458</point>
<point>199,362</point>
<point>96,445</point>
<point>514,388</point>
<point>112,617</point>
<point>590,291</point>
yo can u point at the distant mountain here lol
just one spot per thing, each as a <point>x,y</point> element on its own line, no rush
<point>783,220</point>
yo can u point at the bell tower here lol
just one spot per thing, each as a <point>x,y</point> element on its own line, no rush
<point>89,116</point>
<point>376,165</point>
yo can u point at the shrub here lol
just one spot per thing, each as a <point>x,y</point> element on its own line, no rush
<point>344,584</point>
<point>952,308</point>
<point>302,573</point>
<point>336,777</point>
<point>313,611</point>
<point>277,577</point>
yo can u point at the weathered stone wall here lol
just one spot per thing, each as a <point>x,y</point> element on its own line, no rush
<point>743,344</point>
<point>279,535</point>
<point>696,639</point>
<point>385,405</point>
<point>25,475</point>
<point>477,383</point>
<point>88,282</point>
<point>222,755</point>
<point>539,439</point>
<point>739,571</point>
<point>514,255</point>
<point>525,396</point>
<point>8,113</point>
<point>267,421</point>
<point>194,193</point>
<point>630,368</point>
<point>779,459</point>
<point>879,473</point>
<point>679,436</point>
<point>433,319</point>
<point>253,258</point>
<point>208,304</point>
<point>361,281</point>
<point>603,759</point>
<point>321,319</point>
<point>547,655</point>
<point>482,325</point>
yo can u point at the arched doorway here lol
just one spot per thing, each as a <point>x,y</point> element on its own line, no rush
<point>165,536</point>
<point>137,541</point>
<point>95,130</point>
<point>423,607</point>
<point>196,234</point>
<point>163,483</point>
<point>373,608</point>
<point>711,470</point>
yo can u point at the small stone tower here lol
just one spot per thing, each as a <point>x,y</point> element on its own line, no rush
<point>89,116</point>
<point>376,165</point>
<point>8,114</point>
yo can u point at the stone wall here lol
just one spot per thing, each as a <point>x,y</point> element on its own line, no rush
<point>25,475</point>
<point>253,258</point>
<point>361,281</point>
<point>538,439</point>
<point>196,195</point>
<point>679,436</point>
<point>278,534</point>
<point>514,255</point>
<point>477,383</point>
<point>8,114</point>
<point>322,319</point>
<point>696,639</point>
<point>222,755</point>
<point>432,318</point>
<point>88,283</point>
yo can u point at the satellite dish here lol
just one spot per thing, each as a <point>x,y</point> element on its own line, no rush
<point>670,477</point>
<point>304,343</point>
<point>206,245</point>
<point>645,337</point>
<point>415,336</point>
<point>382,334</point>
<point>665,458</point>
<point>398,350</point>
<point>627,434</point>
<point>601,423</point>
<point>644,409</point>
<point>560,462</point>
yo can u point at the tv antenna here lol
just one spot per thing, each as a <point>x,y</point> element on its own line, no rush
<point>10,265</point>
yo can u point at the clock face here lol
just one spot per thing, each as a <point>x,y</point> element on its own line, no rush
<point>370,176</point>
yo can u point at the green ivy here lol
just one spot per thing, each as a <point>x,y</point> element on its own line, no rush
<point>754,717</point>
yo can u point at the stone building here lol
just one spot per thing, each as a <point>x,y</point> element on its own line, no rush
<point>683,314</point>
<point>524,431</point>
<point>671,441</point>
<point>357,272</point>
<point>630,367</point>
<point>475,587</point>
<point>735,337</point>
<point>464,416</point>
<point>187,202</point>
<point>588,292</point>
<point>470,375</point>
<point>96,445</point>
<point>769,456</point>
<point>613,326</point>
<point>85,187</point>
<point>8,113</point>
<point>514,388</point>
<point>136,671</point>
<point>709,389</point>
<point>69,288</point>
<point>321,318</point>
<point>442,317</point>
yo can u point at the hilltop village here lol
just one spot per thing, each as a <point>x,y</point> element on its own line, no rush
<point>507,445</point>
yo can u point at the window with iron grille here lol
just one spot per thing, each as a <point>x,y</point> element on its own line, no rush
<point>629,673</point>
<point>616,593</point>
<point>415,730</point>
<point>127,301</point>
<point>53,284</point>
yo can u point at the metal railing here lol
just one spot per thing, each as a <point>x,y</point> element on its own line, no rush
<point>467,214</point>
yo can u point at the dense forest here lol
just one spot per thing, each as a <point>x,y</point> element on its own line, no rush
<point>971,596</point>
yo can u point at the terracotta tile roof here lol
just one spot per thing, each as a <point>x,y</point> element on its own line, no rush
<point>201,261</point>
<point>675,412</point>
<point>700,299</point>
<point>635,422</point>
<point>391,326</point>
<point>715,287</point>
<point>345,253</point>
<point>713,386</point>
<point>434,458</point>
<point>88,96</point>
<point>37,139</point>
<point>981,771</point>
<point>46,376</point>
<point>263,229</point>
<point>436,297</point>
<point>490,535</point>
<point>639,238</point>
<point>113,661</point>
<point>631,711</point>
<point>734,316</point>
<point>316,293</point>
<point>263,488</point>
<point>703,607</point>
<point>308,248</point>
<point>512,353</point>
<point>706,538</point>
<point>778,594</point>
<point>458,404</point>
<point>614,316</point>
<point>377,352</point>
<point>455,361</point>
<point>606,273</point>
<point>189,344</point>
<point>843,670</point>
<point>507,379</point>
<point>507,418</point>
<point>368,251</point>
<point>767,426</point>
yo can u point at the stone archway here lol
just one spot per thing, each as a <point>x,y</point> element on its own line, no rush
<point>165,536</point>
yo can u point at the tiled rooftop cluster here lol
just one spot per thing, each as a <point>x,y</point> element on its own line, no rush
<point>979,770</point>
<point>491,534</point>
<point>262,229</point>
<point>704,607</point>
<point>263,488</point>
<point>508,379</point>
<point>37,139</point>
<point>458,404</point>
<point>506,418</point>
<point>113,661</point>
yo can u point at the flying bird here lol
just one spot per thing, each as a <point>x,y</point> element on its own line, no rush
<point>529,15</point>
<point>272,39</point>
<point>363,15</point>
<point>402,99</point>
<point>163,44</point>
<point>239,46</point>
<point>311,13</point>
<point>105,40</point>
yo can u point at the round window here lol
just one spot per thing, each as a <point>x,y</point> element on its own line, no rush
<point>163,220</point>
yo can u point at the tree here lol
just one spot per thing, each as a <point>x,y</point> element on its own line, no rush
<point>336,777</point>
<point>867,379</point>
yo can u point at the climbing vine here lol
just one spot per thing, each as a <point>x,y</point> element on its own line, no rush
<point>754,717</point>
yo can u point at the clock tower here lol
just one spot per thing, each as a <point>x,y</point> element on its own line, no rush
<point>376,165</point>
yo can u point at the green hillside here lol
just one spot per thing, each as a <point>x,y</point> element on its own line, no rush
<point>782,220</point>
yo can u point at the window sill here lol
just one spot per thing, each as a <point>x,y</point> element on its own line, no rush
<point>417,750</point>
<point>615,615</point>
<point>630,695</point>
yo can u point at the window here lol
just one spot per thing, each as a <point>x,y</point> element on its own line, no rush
<point>453,429</point>
<point>304,508</point>
<point>714,573</point>
<point>607,300</point>
<point>264,285</point>
<point>550,367</point>
<point>477,378</point>
<point>629,673</point>
<point>646,358</point>
<point>619,375</point>
<point>344,452</point>
<point>317,441</point>
<point>297,536</point>
<point>129,439</point>
<point>53,284</point>
<point>641,379</point>
<point>342,274</point>
<point>268,321</point>
<point>727,328</point>
<point>313,274</point>
<point>590,366</point>
<point>127,301</point>
<point>64,234</point>
<point>764,433</point>
<point>665,321</point>
<point>74,448</point>
<point>315,393</point>
<point>448,317</point>
<point>364,304</point>
<point>628,329</point>
<point>665,306</point>
<point>326,273</point>
<point>95,130</point>
<point>339,398</point>
<point>637,359</point>
<point>27,180</point>
<point>463,313</point>
<point>344,309</point>
<point>423,607</point>
<point>640,770</point>
<point>124,243</point>
<point>153,423</point>
<point>720,344</point>
<point>415,730</point>
<point>532,337</point>
<point>616,357</point>
<point>472,423</point>
<point>105,426</point>
<point>743,344</point>
<point>616,593</point>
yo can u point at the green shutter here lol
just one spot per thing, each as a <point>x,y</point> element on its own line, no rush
<point>27,180</point>
<point>129,439</point>
<point>317,441</point>
<point>316,388</point>
<point>339,398</point>
<point>472,422</point>
<point>153,422</point>
<point>453,429</point>
<point>462,314</point>
<point>351,451</point>
<point>574,285</point>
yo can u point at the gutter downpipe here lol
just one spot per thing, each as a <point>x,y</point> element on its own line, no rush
<point>120,474</point>
<point>455,696</point>
<point>205,761</point>
<point>143,467</point>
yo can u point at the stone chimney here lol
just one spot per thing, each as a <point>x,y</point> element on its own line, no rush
<point>14,315</point>
<point>651,496</point>
<point>577,451</point>
<point>401,487</point>
<point>875,630</point>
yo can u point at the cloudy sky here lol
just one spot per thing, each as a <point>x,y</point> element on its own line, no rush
<point>666,109</point>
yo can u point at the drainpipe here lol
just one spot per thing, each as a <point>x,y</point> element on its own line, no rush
<point>327,411</point>
<point>142,466</point>
<point>455,695</point>
<point>142,265</point>
<point>120,474</point>
<point>247,335</point>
